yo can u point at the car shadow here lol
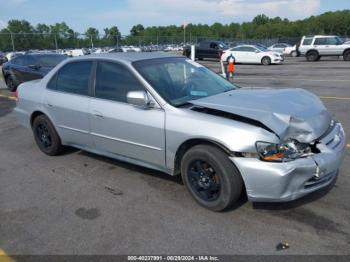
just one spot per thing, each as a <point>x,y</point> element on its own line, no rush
<point>177,179</point>
<point>133,167</point>
<point>312,197</point>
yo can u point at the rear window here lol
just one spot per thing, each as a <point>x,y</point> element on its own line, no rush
<point>307,41</point>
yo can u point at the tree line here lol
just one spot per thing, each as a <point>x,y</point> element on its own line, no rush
<point>24,36</point>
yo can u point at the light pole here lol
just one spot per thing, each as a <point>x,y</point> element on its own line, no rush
<point>184,33</point>
<point>13,43</point>
<point>92,43</point>
<point>56,42</point>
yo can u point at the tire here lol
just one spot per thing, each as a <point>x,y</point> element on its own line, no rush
<point>312,56</point>
<point>206,166</point>
<point>46,137</point>
<point>266,60</point>
<point>11,86</point>
<point>294,54</point>
<point>346,55</point>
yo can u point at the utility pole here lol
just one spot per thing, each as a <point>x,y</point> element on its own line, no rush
<point>92,43</point>
<point>13,43</point>
<point>184,33</point>
<point>56,42</point>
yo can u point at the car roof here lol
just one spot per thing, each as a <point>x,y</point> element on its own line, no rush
<point>129,56</point>
<point>41,54</point>
<point>244,45</point>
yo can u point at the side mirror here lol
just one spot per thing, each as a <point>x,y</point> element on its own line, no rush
<point>257,51</point>
<point>139,98</point>
<point>34,67</point>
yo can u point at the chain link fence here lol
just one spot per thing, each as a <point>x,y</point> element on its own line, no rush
<point>36,41</point>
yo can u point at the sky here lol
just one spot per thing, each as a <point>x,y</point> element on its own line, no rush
<point>81,14</point>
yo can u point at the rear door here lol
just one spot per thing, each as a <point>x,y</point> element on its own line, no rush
<point>321,44</point>
<point>251,54</point>
<point>238,54</point>
<point>67,102</point>
<point>121,128</point>
<point>29,71</point>
<point>333,46</point>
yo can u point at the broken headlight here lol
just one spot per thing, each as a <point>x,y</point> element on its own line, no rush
<point>287,151</point>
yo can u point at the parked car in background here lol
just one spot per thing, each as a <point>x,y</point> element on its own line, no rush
<point>252,54</point>
<point>3,58</point>
<point>12,55</point>
<point>291,51</point>
<point>77,52</point>
<point>314,47</point>
<point>279,47</point>
<point>206,49</point>
<point>29,67</point>
<point>115,50</point>
<point>169,113</point>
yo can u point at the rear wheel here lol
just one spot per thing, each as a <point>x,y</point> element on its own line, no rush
<point>312,56</point>
<point>346,55</point>
<point>46,136</point>
<point>211,178</point>
<point>266,60</point>
<point>11,84</point>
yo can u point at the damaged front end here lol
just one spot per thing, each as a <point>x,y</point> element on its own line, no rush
<point>285,175</point>
<point>311,147</point>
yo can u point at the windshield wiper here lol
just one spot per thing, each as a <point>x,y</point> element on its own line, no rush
<point>184,104</point>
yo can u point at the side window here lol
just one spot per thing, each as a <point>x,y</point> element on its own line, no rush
<point>236,49</point>
<point>29,60</point>
<point>18,60</point>
<point>214,45</point>
<point>307,41</point>
<point>114,81</point>
<point>74,78</point>
<point>332,41</point>
<point>247,49</point>
<point>320,41</point>
<point>250,49</point>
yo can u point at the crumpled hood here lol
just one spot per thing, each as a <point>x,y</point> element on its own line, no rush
<point>290,113</point>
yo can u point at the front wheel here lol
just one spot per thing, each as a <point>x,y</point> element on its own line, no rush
<point>46,136</point>
<point>210,177</point>
<point>11,84</point>
<point>266,60</point>
<point>346,55</point>
<point>294,54</point>
<point>312,56</point>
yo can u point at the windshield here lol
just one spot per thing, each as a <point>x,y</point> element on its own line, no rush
<point>50,60</point>
<point>179,80</point>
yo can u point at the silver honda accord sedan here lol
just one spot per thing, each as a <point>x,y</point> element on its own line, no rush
<point>169,113</point>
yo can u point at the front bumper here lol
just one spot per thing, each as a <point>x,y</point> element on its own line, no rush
<point>277,60</point>
<point>279,182</point>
